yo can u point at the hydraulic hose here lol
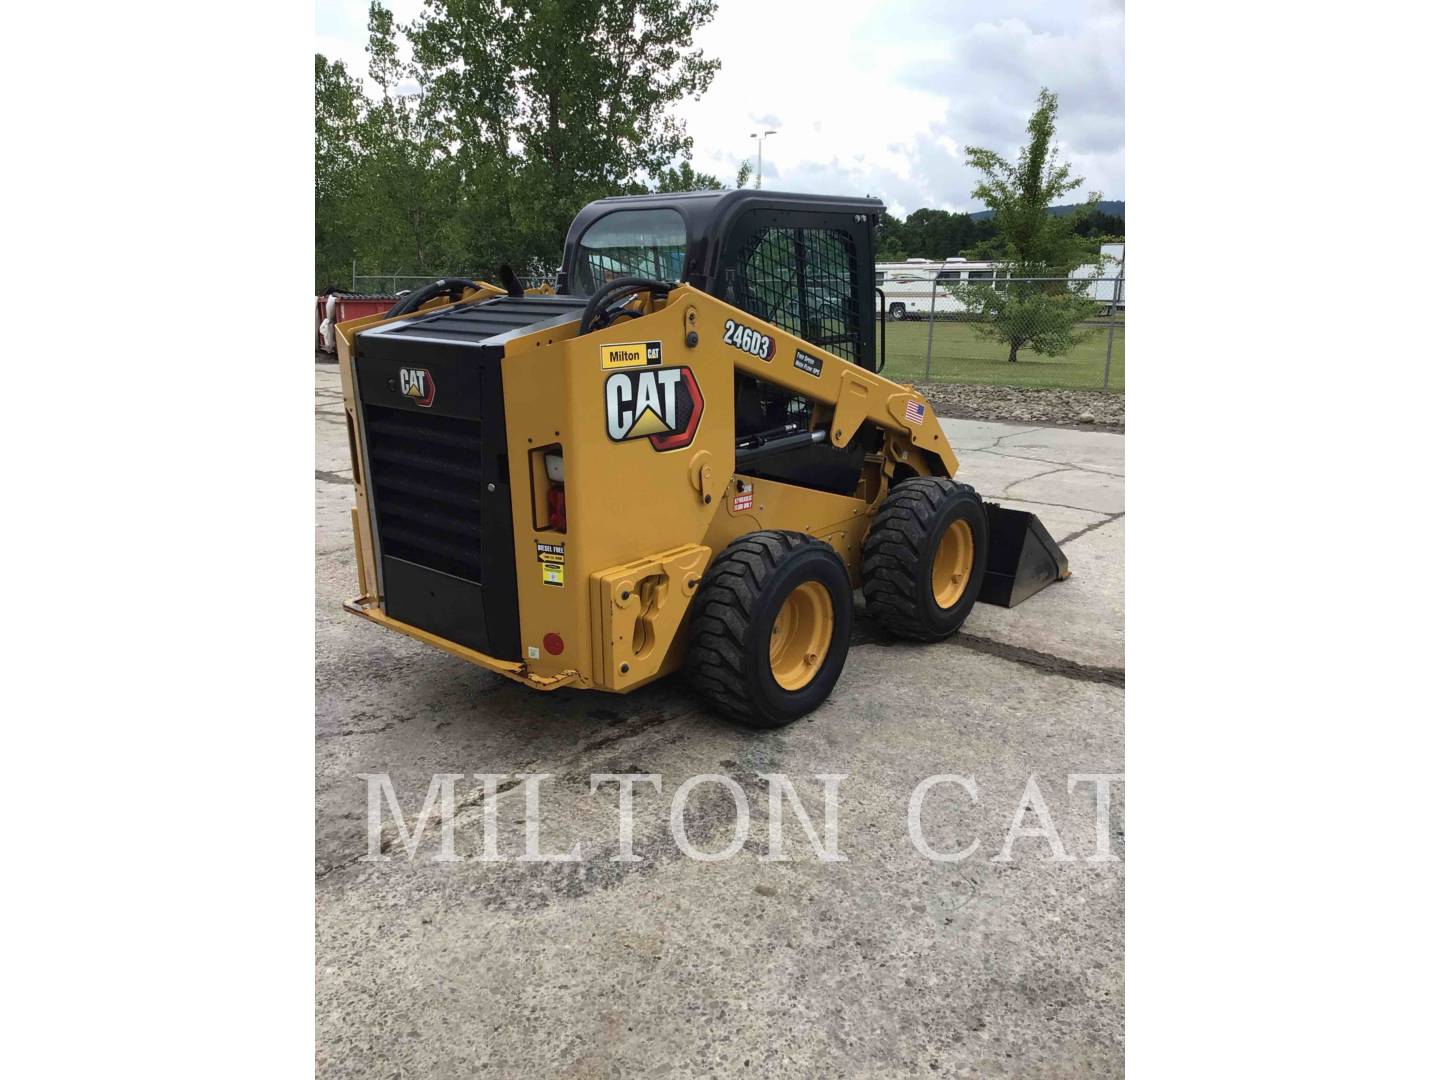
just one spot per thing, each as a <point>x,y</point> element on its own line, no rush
<point>451,286</point>
<point>612,290</point>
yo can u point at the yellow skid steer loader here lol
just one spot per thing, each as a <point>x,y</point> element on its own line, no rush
<point>687,456</point>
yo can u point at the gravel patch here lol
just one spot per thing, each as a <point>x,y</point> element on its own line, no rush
<point>1094,409</point>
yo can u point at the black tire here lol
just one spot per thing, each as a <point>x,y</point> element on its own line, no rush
<point>897,312</point>
<point>728,655</point>
<point>899,557</point>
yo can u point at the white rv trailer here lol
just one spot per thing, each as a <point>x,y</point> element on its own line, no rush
<point>909,286</point>
<point>1103,275</point>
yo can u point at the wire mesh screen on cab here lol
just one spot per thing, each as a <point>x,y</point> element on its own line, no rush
<point>803,280</point>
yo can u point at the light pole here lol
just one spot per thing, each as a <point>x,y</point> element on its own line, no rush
<point>760,146</point>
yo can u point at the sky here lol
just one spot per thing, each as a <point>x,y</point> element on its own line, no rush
<point>881,99</point>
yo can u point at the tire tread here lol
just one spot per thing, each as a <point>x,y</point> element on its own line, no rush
<point>720,616</point>
<point>891,571</point>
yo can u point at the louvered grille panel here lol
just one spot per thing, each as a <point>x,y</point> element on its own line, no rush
<point>427,486</point>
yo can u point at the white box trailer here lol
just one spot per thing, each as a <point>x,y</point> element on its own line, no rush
<point>910,286</point>
<point>907,286</point>
<point>1106,277</point>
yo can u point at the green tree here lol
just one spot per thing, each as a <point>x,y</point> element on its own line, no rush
<point>927,234</point>
<point>985,233</point>
<point>685,178</point>
<point>403,185</point>
<point>1041,315</point>
<point>1106,227</point>
<point>890,239</point>
<point>511,115</point>
<point>339,105</point>
<point>744,174</point>
<point>938,234</point>
<point>553,103</point>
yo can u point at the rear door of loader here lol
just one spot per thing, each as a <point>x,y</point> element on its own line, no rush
<point>438,474</point>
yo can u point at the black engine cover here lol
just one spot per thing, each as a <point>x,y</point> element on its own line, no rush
<point>438,473</point>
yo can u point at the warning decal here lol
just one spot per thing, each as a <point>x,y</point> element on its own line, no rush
<point>742,500</point>
<point>811,365</point>
<point>549,552</point>
<point>552,573</point>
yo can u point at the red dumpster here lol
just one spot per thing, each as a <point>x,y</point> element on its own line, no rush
<point>347,307</point>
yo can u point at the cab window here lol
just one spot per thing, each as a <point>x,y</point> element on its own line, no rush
<point>631,243</point>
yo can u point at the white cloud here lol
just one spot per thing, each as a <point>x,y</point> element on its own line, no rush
<point>881,99</point>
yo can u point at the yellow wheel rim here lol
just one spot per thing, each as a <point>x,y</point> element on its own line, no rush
<point>954,562</point>
<point>800,638</point>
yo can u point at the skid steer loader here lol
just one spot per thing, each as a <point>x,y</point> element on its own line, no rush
<point>687,456</point>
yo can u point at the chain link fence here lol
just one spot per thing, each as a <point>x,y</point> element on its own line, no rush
<point>1064,332</point>
<point>1028,332</point>
<point>394,284</point>
<point>388,284</point>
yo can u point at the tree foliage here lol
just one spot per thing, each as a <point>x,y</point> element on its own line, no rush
<point>511,115</point>
<point>1041,315</point>
<point>930,234</point>
<point>1101,227</point>
<point>339,107</point>
<point>685,178</point>
<point>941,234</point>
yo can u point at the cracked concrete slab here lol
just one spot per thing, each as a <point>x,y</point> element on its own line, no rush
<point>991,475</point>
<point>882,965</point>
<point>1080,619</point>
<point>980,434</point>
<point>998,458</point>
<point>886,964</point>
<point>1073,481</point>
<point>1075,488</point>
<point>1100,450</point>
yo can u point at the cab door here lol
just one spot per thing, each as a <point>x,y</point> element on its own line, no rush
<point>811,273</point>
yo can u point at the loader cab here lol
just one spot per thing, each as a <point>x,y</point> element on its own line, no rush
<point>803,262</point>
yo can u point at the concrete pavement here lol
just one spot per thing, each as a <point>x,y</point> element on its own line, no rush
<point>884,964</point>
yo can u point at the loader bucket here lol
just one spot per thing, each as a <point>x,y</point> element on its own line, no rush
<point>1023,558</point>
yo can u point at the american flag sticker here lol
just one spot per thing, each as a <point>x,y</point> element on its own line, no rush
<point>914,412</point>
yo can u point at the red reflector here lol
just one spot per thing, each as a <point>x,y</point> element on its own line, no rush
<point>554,644</point>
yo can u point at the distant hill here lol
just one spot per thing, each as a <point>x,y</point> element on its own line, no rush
<point>1117,208</point>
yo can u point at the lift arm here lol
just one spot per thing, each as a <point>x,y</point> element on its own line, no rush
<point>855,395</point>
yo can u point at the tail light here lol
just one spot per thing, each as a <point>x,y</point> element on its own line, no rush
<point>547,473</point>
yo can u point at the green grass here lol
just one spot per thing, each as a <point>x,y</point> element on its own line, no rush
<point>962,355</point>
